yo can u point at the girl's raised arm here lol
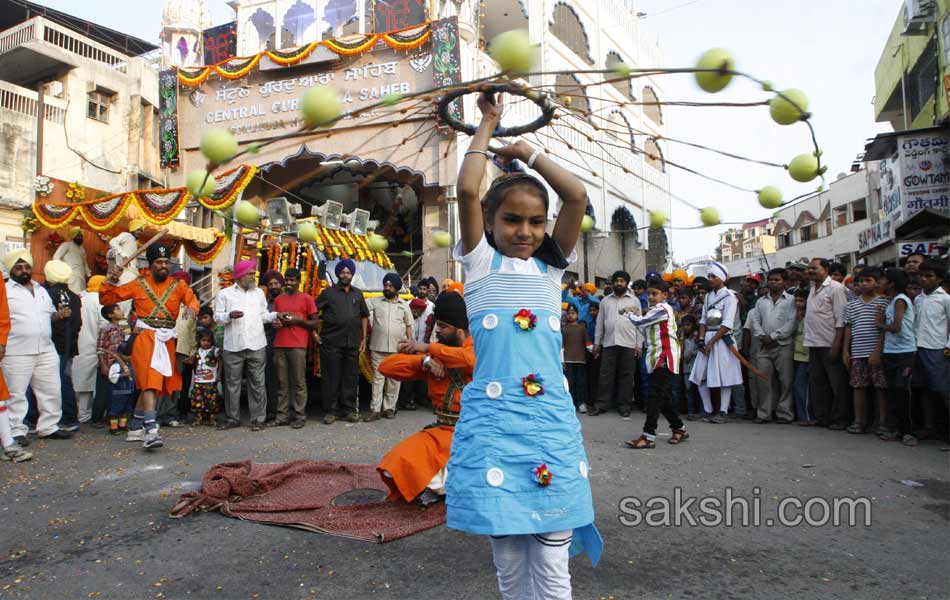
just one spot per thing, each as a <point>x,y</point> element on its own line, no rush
<point>472,172</point>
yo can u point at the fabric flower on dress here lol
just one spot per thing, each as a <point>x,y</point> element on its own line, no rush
<point>533,385</point>
<point>543,475</point>
<point>525,319</point>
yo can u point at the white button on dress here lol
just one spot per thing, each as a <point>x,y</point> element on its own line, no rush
<point>582,467</point>
<point>490,322</point>
<point>494,390</point>
<point>495,477</point>
<point>555,323</point>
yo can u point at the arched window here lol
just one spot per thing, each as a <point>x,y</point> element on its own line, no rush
<point>263,23</point>
<point>567,27</point>
<point>619,128</point>
<point>654,155</point>
<point>298,23</point>
<point>571,95</point>
<point>624,86</point>
<point>651,106</point>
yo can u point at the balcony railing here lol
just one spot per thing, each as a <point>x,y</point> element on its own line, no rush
<point>39,29</point>
<point>24,101</point>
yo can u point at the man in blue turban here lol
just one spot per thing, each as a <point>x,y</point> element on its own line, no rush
<point>344,319</point>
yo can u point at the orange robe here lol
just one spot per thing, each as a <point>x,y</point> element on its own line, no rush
<point>147,378</point>
<point>4,335</point>
<point>413,462</point>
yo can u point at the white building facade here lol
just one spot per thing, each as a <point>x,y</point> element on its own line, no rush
<point>100,98</point>
<point>825,225</point>
<point>612,144</point>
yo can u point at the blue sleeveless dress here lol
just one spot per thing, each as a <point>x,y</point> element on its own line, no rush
<point>504,433</point>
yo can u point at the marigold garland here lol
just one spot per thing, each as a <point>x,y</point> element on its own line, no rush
<point>158,206</point>
<point>232,68</point>
<point>292,57</point>
<point>204,255</point>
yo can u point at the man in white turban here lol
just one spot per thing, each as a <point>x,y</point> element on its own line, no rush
<point>716,366</point>
<point>30,358</point>
<point>73,254</point>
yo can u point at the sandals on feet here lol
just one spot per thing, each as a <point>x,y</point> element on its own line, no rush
<point>855,428</point>
<point>679,435</point>
<point>641,443</point>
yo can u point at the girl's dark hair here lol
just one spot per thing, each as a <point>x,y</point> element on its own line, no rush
<point>504,184</point>
<point>802,293</point>
<point>898,277</point>
<point>106,310</point>
<point>688,319</point>
<point>201,332</point>
<point>207,309</point>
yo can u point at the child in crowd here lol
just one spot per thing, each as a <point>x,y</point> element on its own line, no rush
<point>523,484</point>
<point>206,320</point>
<point>899,352</point>
<point>689,343</point>
<point>685,299</point>
<point>110,347</point>
<point>640,291</point>
<point>803,410</point>
<point>932,323</point>
<point>862,343</point>
<point>575,343</point>
<point>662,359</point>
<point>913,286</point>
<point>204,391</point>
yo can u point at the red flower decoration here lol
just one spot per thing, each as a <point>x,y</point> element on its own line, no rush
<point>525,319</point>
<point>533,385</point>
<point>544,475</point>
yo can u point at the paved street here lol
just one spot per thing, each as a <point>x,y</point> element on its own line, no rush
<point>87,519</point>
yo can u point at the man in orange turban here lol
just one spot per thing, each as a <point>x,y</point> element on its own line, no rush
<point>157,300</point>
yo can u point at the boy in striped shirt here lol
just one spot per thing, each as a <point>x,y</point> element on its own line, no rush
<point>863,342</point>
<point>662,359</point>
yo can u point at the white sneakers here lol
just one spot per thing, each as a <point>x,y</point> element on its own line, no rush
<point>152,440</point>
<point>582,409</point>
<point>135,435</point>
<point>16,453</point>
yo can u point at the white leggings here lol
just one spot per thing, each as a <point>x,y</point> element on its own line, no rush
<point>533,567</point>
<point>6,435</point>
<point>725,394</point>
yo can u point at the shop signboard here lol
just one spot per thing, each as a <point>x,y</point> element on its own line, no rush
<point>266,103</point>
<point>879,233</point>
<point>919,173</point>
<point>925,247</point>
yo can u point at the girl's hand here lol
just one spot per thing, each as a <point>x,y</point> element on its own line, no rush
<point>491,109</point>
<point>520,150</point>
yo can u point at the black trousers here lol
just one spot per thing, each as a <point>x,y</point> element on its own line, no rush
<point>339,376</point>
<point>897,369</point>
<point>270,384</point>
<point>618,365</point>
<point>101,400</point>
<point>576,374</point>
<point>828,388</point>
<point>660,400</point>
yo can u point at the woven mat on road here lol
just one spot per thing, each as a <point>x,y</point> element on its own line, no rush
<point>324,496</point>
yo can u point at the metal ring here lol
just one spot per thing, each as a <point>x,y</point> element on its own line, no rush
<point>540,99</point>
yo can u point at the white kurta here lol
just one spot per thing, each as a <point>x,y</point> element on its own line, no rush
<point>125,246</point>
<point>74,255</point>
<point>86,362</point>
<point>720,368</point>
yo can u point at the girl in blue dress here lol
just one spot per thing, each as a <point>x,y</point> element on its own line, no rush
<point>518,471</point>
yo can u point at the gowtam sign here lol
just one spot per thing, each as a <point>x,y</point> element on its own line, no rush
<point>915,177</point>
